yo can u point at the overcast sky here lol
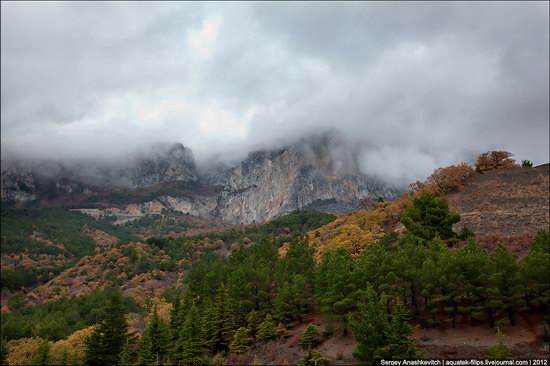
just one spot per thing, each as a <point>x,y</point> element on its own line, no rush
<point>416,85</point>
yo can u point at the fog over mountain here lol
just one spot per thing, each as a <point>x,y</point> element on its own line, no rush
<point>410,86</point>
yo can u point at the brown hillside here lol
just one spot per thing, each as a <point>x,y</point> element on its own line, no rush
<point>506,206</point>
<point>505,202</point>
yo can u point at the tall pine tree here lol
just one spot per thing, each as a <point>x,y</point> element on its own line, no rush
<point>190,342</point>
<point>106,343</point>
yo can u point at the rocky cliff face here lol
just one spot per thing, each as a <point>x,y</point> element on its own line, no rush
<point>266,184</point>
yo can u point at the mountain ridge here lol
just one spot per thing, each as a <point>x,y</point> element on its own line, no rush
<point>263,185</point>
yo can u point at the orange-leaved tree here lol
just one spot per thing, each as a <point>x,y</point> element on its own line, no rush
<point>492,160</point>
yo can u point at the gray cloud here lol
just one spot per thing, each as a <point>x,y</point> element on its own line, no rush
<point>416,86</point>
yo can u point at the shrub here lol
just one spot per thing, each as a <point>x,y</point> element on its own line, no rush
<point>526,164</point>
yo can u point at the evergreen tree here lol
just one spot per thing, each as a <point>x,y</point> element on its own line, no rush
<point>475,271</point>
<point>336,286</point>
<point>401,345</point>
<point>154,342</point>
<point>370,328</point>
<point>291,300</point>
<point>429,216</point>
<point>222,320</point>
<point>105,344</point>
<point>313,358</point>
<point>190,340</point>
<point>506,283</point>
<point>379,335</point>
<point>42,355</point>
<point>64,358</point>
<point>93,348</point>
<point>145,354</point>
<point>3,351</point>
<point>534,272</point>
<point>126,354</point>
<point>267,329</point>
<point>499,351</point>
<point>253,321</point>
<point>175,320</point>
<point>241,341</point>
<point>311,337</point>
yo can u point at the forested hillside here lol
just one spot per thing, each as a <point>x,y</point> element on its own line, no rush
<point>38,242</point>
<point>230,304</point>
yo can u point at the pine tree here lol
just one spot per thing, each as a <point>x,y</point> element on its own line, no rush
<point>534,272</point>
<point>311,337</point>
<point>313,358</point>
<point>506,282</point>
<point>222,320</point>
<point>499,351</point>
<point>370,328</point>
<point>3,351</point>
<point>115,330</point>
<point>190,340</point>
<point>126,354</point>
<point>105,344</point>
<point>241,341</point>
<point>252,322</point>
<point>291,300</point>
<point>154,342</point>
<point>175,320</point>
<point>267,329</point>
<point>42,355</point>
<point>336,286</point>
<point>380,336</point>
<point>64,358</point>
<point>145,354</point>
<point>429,216</point>
<point>401,343</point>
<point>93,347</point>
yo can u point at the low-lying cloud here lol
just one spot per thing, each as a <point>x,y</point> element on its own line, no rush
<point>417,86</point>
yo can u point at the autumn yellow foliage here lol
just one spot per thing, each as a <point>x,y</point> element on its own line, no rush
<point>21,351</point>
<point>74,344</point>
<point>356,230</point>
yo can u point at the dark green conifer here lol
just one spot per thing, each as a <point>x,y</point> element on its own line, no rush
<point>429,216</point>
<point>108,339</point>
<point>175,320</point>
<point>500,350</point>
<point>64,358</point>
<point>311,337</point>
<point>267,329</point>
<point>3,351</point>
<point>401,343</point>
<point>313,358</point>
<point>190,341</point>
<point>42,355</point>
<point>253,321</point>
<point>126,354</point>
<point>154,342</point>
<point>241,340</point>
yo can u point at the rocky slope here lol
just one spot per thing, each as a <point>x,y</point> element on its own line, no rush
<point>313,171</point>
